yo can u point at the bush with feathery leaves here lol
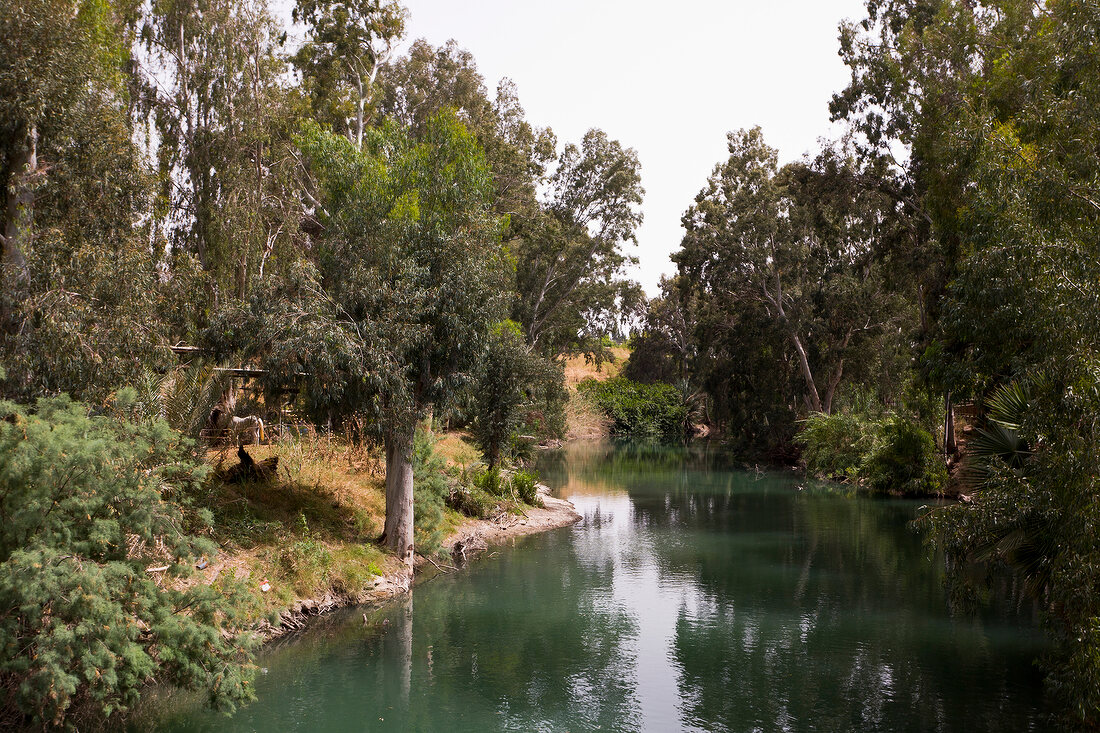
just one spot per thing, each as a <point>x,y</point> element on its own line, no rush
<point>90,508</point>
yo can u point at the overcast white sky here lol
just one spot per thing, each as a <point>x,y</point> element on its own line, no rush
<point>667,79</point>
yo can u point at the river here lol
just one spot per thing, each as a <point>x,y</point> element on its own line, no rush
<point>693,596</point>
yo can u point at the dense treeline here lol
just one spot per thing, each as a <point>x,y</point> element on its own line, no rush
<point>944,251</point>
<point>375,230</point>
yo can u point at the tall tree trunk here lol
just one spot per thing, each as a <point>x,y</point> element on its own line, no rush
<point>950,446</point>
<point>19,212</point>
<point>838,374</point>
<point>812,396</point>
<point>398,532</point>
<point>830,391</point>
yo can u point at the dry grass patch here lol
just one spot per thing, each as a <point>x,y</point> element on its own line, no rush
<point>308,530</point>
<point>457,449</point>
<point>578,369</point>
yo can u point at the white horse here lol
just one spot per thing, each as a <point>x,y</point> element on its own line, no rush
<point>249,425</point>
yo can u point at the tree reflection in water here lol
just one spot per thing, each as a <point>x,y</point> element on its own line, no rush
<point>692,597</point>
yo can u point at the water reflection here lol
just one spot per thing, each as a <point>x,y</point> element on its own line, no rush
<point>692,597</point>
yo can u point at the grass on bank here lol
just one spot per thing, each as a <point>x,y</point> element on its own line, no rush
<point>307,530</point>
<point>311,528</point>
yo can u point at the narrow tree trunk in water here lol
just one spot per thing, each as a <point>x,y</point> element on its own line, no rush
<point>398,533</point>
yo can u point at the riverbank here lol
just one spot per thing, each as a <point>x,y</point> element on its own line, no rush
<point>605,621</point>
<point>301,544</point>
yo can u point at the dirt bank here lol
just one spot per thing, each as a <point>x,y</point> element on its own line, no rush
<point>477,534</point>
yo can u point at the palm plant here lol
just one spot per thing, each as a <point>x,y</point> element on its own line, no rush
<point>999,458</point>
<point>183,397</point>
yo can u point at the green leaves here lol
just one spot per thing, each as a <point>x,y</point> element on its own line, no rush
<point>650,411</point>
<point>88,505</point>
<point>787,274</point>
<point>512,379</point>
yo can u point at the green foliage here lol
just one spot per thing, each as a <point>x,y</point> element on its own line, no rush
<point>836,446</point>
<point>211,80</point>
<point>346,43</point>
<point>998,105</point>
<point>904,460</point>
<point>887,453</point>
<point>1035,514</point>
<point>89,503</point>
<point>73,187</point>
<point>513,382</point>
<point>183,397</point>
<point>489,480</point>
<point>412,269</point>
<point>660,352</point>
<point>525,486</point>
<point>569,258</point>
<point>430,491</point>
<point>654,411</point>
<point>473,502</point>
<point>306,560</point>
<point>786,293</point>
<point>481,492</point>
<point>999,443</point>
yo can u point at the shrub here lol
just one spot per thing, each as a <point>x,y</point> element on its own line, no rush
<point>430,490</point>
<point>525,487</point>
<point>91,503</point>
<point>836,446</point>
<point>888,454</point>
<point>653,411</point>
<point>307,561</point>
<point>904,460</point>
<point>515,387</point>
<point>473,502</point>
<point>488,480</point>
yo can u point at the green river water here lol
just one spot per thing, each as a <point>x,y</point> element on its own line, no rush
<point>691,597</point>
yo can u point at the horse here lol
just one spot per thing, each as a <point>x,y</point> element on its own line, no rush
<point>247,425</point>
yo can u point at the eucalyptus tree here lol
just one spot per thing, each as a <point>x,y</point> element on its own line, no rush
<point>998,104</point>
<point>570,283</point>
<point>50,52</point>
<point>410,276</point>
<point>346,45</point>
<point>428,79</point>
<point>213,77</point>
<point>78,196</point>
<point>514,384</point>
<point>664,347</point>
<point>799,247</point>
<point>570,271</point>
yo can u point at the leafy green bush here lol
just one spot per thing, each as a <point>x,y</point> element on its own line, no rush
<point>836,446</point>
<point>655,411</point>
<point>94,508</point>
<point>525,487</point>
<point>306,560</point>
<point>473,502</point>
<point>904,460</point>
<point>888,453</point>
<point>430,490</point>
<point>488,480</point>
<point>515,387</point>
